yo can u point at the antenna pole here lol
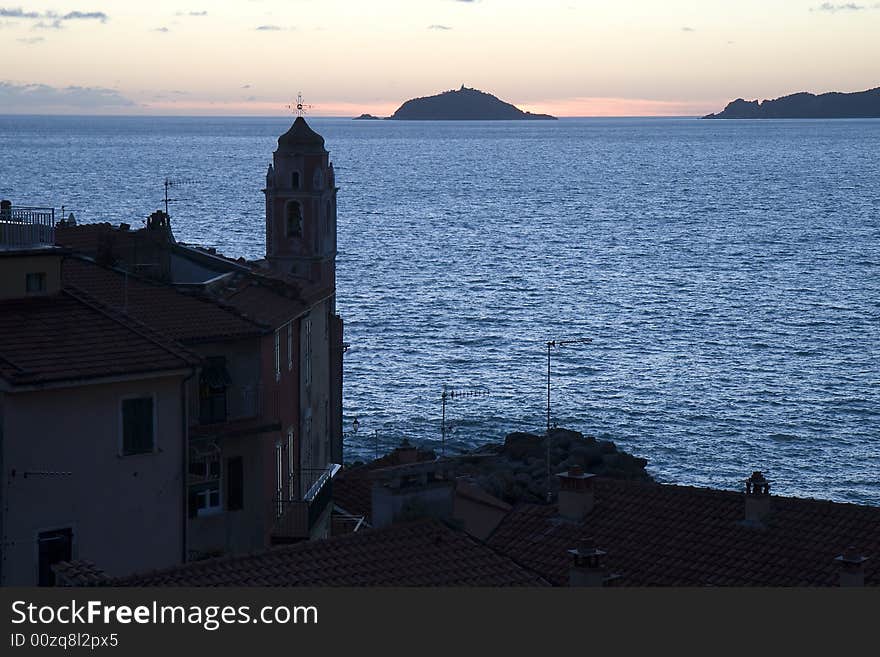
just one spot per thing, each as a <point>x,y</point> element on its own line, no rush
<point>550,345</point>
<point>443,424</point>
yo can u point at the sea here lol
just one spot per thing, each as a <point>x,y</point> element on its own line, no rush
<point>726,273</point>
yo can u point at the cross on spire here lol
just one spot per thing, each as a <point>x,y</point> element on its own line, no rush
<point>299,108</point>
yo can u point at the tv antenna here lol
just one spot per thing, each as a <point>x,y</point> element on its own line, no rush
<point>171,183</point>
<point>449,395</point>
<point>299,108</point>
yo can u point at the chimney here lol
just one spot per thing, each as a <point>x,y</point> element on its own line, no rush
<point>587,568</point>
<point>405,454</point>
<point>757,499</point>
<point>576,496</point>
<point>852,567</point>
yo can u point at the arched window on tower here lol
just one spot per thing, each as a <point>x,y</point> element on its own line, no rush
<point>293,219</point>
<point>294,180</point>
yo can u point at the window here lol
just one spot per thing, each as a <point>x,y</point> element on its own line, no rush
<point>53,547</point>
<point>235,483</point>
<point>204,478</point>
<point>291,491</point>
<point>137,426</point>
<point>279,479</point>
<point>212,390</point>
<point>290,347</point>
<point>205,466</point>
<point>294,180</point>
<point>294,219</point>
<point>207,501</point>
<point>35,282</point>
<point>307,356</point>
<point>277,355</point>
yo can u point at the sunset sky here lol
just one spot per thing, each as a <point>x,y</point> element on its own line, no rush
<point>565,57</point>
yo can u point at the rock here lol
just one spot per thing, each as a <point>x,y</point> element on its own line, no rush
<point>520,446</point>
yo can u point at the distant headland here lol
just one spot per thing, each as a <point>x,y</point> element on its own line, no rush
<point>461,105</point>
<point>834,105</point>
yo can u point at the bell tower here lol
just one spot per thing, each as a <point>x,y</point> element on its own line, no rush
<point>301,208</point>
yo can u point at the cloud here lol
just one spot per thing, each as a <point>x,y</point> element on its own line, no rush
<point>688,29</point>
<point>36,98</point>
<point>50,20</point>
<point>191,13</point>
<point>268,28</point>
<point>31,40</point>
<point>85,16</point>
<point>439,27</point>
<point>832,8</point>
<point>161,29</point>
<point>245,86</point>
<point>18,12</point>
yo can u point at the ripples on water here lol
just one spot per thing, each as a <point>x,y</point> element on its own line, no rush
<point>727,273</point>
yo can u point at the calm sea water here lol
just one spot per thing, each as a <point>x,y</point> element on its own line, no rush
<point>727,273</point>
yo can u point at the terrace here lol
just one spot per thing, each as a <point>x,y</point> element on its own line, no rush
<point>26,227</point>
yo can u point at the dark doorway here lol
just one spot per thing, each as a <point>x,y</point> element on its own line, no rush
<point>54,546</point>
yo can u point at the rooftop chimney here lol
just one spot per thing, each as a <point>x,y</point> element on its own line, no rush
<point>576,496</point>
<point>406,453</point>
<point>757,499</point>
<point>587,568</point>
<point>852,567</point>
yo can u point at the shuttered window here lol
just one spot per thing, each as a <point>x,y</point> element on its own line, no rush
<point>234,483</point>
<point>137,426</point>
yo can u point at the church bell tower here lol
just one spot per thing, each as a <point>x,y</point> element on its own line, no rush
<point>301,208</point>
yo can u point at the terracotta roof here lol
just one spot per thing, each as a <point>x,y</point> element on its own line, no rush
<point>352,487</point>
<point>82,237</point>
<point>422,553</point>
<point>352,490</point>
<point>680,536</point>
<point>78,573</point>
<point>269,302</point>
<point>255,295</point>
<point>469,490</point>
<point>70,336</point>
<point>176,314</point>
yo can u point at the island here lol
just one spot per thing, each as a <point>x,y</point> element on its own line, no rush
<point>462,105</point>
<point>367,117</point>
<point>834,105</point>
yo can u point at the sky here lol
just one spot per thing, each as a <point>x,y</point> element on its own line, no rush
<point>564,57</point>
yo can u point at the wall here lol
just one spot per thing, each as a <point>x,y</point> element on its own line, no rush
<point>14,268</point>
<point>126,512</point>
<point>316,400</point>
<point>248,362</point>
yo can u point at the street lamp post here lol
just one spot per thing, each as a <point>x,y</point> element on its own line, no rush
<point>552,344</point>
<point>354,429</point>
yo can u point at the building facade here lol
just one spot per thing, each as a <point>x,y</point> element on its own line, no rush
<point>92,426</point>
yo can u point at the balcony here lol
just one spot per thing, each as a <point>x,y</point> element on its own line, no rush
<point>237,409</point>
<point>26,228</point>
<point>294,520</point>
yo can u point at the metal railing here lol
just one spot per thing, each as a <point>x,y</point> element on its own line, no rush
<point>240,402</point>
<point>26,227</point>
<point>294,519</point>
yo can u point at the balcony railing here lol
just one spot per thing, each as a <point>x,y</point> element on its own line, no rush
<point>293,520</point>
<point>26,227</point>
<point>239,402</point>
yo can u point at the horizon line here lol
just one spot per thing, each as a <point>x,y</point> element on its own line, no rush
<point>340,116</point>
